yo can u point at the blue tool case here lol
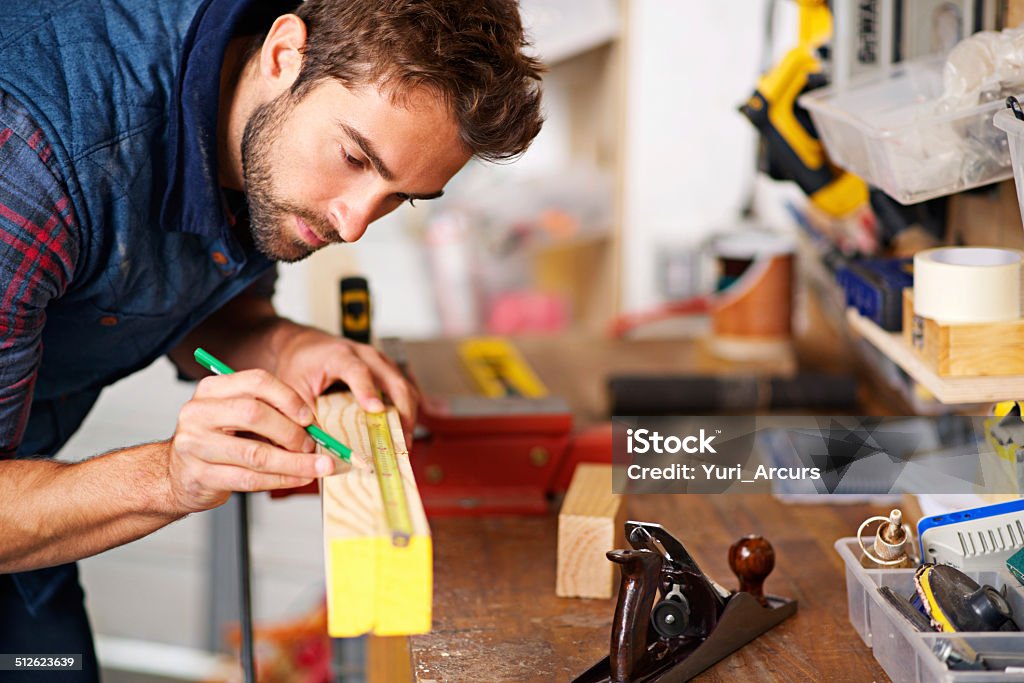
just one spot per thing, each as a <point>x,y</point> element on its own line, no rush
<point>875,288</point>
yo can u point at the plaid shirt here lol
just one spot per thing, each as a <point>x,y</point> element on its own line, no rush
<point>39,243</point>
<point>115,240</point>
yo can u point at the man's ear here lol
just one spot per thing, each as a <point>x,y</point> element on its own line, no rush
<point>280,58</point>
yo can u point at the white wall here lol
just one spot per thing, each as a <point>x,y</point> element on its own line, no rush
<point>689,154</point>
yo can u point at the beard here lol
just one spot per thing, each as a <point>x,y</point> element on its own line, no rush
<point>269,213</point>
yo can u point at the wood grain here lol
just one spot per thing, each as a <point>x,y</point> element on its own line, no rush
<point>388,659</point>
<point>497,619</point>
<point>945,389</point>
<point>372,585</point>
<point>965,349</point>
<point>590,524</point>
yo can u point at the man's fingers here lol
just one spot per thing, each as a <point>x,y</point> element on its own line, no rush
<point>230,478</point>
<point>357,375</point>
<point>213,449</point>
<point>259,384</point>
<point>246,414</point>
<point>402,393</point>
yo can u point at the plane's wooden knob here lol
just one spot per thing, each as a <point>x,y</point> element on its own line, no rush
<point>752,559</point>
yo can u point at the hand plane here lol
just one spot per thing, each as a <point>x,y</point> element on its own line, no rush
<point>671,620</point>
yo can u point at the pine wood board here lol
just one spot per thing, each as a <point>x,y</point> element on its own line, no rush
<point>945,389</point>
<point>373,586</point>
<point>590,524</point>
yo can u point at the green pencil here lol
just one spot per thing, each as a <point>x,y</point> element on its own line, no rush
<point>211,363</point>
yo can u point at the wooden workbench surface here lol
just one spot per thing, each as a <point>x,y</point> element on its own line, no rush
<point>496,616</point>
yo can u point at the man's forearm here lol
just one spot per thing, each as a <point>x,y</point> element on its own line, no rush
<point>54,512</point>
<point>247,333</point>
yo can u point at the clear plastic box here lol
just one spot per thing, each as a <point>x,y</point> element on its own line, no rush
<point>1014,128</point>
<point>907,655</point>
<point>890,130</point>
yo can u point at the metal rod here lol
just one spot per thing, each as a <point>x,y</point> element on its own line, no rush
<point>245,595</point>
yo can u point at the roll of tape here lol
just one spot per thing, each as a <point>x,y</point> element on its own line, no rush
<point>967,284</point>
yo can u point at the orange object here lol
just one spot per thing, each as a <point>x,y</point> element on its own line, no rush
<point>760,304</point>
<point>296,651</point>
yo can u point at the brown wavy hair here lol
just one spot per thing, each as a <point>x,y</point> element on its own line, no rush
<point>469,52</point>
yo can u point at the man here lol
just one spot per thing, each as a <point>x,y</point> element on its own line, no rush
<point>156,158</point>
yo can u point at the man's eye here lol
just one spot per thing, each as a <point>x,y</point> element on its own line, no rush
<point>406,198</point>
<point>353,161</point>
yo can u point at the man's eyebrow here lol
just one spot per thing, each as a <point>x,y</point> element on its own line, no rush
<point>367,147</point>
<point>368,150</point>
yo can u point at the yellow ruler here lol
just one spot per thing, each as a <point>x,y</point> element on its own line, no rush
<point>392,489</point>
<point>498,369</point>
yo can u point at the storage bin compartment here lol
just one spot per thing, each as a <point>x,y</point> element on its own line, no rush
<point>1014,129</point>
<point>910,656</point>
<point>892,130</point>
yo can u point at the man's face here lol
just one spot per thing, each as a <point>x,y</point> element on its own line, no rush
<point>322,169</point>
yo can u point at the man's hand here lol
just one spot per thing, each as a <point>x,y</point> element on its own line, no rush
<point>247,333</point>
<point>311,361</point>
<point>241,432</point>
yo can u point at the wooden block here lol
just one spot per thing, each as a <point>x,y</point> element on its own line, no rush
<point>972,350</point>
<point>589,525</point>
<point>910,334</point>
<point>946,389</point>
<point>965,349</point>
<point>373,586</point>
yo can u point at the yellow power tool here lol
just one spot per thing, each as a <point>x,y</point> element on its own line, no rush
<point>793,149</point>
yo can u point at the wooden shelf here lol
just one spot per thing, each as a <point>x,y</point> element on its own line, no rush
<point>945,389</point>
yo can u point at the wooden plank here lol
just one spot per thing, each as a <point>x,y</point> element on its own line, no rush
<point>945,389</point>
<point>589,525</point>
<point>372,585</point>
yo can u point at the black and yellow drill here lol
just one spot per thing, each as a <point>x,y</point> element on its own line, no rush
<point>791,144</point>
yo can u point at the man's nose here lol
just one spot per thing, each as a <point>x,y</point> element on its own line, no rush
<point>351,219</point>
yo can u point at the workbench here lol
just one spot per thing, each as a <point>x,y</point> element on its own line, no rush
<point>577,368</point>
<point>496,616</point>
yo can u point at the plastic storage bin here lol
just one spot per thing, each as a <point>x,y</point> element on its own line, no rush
<point>909,656</point>
<point>890,130</point>
<point>1014,128</point>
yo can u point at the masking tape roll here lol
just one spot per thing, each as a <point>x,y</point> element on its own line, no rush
<point>967,284</point>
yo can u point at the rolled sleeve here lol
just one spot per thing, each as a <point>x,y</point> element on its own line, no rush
<point>38,251</point>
